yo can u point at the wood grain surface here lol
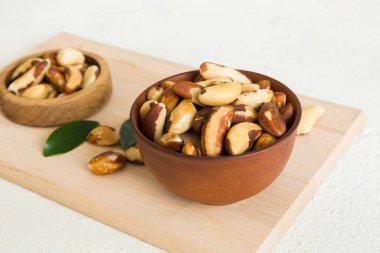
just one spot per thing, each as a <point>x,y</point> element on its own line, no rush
<point>132,201</point>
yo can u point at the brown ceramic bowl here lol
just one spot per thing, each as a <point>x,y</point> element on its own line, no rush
<point>59,110</point>
<point>217,180</point>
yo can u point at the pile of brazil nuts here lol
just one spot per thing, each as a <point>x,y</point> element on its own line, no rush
<point>53,75</point>
<point>230,113</point>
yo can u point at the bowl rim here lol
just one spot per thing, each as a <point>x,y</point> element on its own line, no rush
<point>281,141</point>
<point>5,72</point>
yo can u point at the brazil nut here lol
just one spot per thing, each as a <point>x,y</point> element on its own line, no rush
<point>154,121</point>
<point>182,117</point>
<point>171,141</point>
<point>240,137</point>
<point>221,94</point>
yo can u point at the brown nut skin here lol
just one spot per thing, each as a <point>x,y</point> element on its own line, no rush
<point>182,117</point>
<point>279,99</point>
<point>166,84</point>
<point>33,76</point>
<point>153,123</point>
<point>51,56</point>
<point>271,120</point>
<point>146,107</point>
<point>287,114</point>
<point>155,93</point>
<point>188,90</point>
<point>56,77</point>
<point>264,84</point>
<point>215,129</point>
<point>171,141</point>
<point>240,137</point>
<point>264,140</point>
<point>170,100</point>
<point>25,66</point>
<point>103,136</point>
<point>200,119</point>
<point>198,78</point>
<point>244,113</point>
<point>133,155</point>
<point>107,163</point>
<point>210,70</point>
<point>191,149</point>
<point>73,79</point>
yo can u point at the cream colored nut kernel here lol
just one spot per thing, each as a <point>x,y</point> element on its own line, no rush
<point>155,93</point>
<point>38,91</point>
<point>271,120</point>
<point>244,113</point>
<point>200,119</point>
<point>69,57</point>
<point>191,149</point>
<point>264,84</point>
<point>240,137</point>
<point>51,56</point>
<point>90,76</point>
<point>171,141</point>
<point>221,94</point>
<point>133,155</point>
<point>254,98</point>
<point>215,80</point>
<point>215,129</point>
<point>210,70</point>
<point>279,99</point>
<point>107,163</point>
<point>310,116</point>
<point>103,136</point>
<point>264,140</point>
<point>56,77</point>
<point>189,90</point>
<point>154,121</point>
<point>33,76</point>
<point>73,79</point>
<point>170,100</point>
<point>182,117</point>
<point>25,66</point>
<point>146,107</point>
<point>166,84</point>
<point>249,87</point>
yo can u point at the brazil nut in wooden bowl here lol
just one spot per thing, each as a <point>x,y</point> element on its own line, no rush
<point>70,106</point>
<point>222,179</point>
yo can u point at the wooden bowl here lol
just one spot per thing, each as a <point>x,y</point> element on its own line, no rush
<point>59,110</point>
<point>217,180</point>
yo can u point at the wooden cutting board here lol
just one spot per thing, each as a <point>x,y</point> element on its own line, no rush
<point>132,201</point>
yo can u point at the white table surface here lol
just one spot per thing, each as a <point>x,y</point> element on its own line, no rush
<point>325,49</point>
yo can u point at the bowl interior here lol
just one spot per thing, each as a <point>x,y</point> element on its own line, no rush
<point>191,75</point>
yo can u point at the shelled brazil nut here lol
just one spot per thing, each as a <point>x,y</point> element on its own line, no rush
<point>53,75</point>
<point>224,111</point>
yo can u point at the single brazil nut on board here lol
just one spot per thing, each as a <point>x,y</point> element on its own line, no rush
<point>154,121</point>
<point>182,117</point>
<point>171,141</point>
<point>103,136</point>
<point>271,120</point>
<point>230,113</point>
<point>310,115</point>
<point>133,155</point>
<point>240,137</point>
<point>107,163</point>
<point>215,129</point>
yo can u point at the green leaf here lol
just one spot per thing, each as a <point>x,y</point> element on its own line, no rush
<point>127,136</point>
<point>68,137</point>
